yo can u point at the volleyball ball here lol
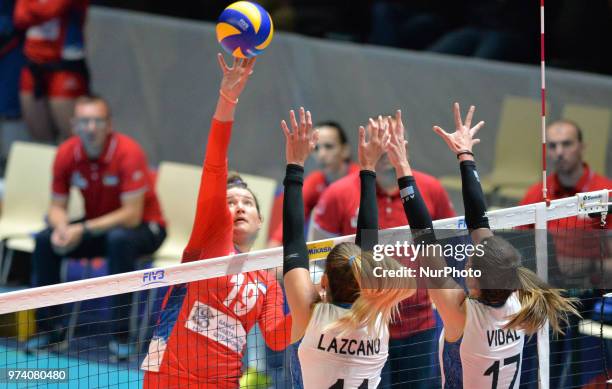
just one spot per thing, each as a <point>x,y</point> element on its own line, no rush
<point>244,29</point>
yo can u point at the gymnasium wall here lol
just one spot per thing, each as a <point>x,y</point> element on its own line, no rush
<point>161,77</point>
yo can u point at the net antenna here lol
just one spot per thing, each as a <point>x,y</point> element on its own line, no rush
<point>543,93</point>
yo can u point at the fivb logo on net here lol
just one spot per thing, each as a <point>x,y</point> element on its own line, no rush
<point>154,277</point>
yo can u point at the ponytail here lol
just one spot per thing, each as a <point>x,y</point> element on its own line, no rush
<point>378,298</point>
<point>540,302</point>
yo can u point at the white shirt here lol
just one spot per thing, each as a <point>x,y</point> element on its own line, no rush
<point>353,360</point>
<point>488,353</point>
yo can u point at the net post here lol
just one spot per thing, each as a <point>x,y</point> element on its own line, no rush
<point>541,243</point>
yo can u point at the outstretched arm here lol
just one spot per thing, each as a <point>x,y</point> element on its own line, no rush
<point>212,226</point>
<point>445,292</point>
<point>461,143</point>
<point>301,293</point>
<point>370,152</point>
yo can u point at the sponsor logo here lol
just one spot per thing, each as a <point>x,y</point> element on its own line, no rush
<point>78,180</point>
<point>319,250</point>
<point>154,277</point>
<point>217,326</point>
<point>110,180</point>
<point>461,223</point>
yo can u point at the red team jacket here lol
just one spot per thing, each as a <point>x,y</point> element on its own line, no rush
<point>200,338</point>
<point>574,236</point>
<point>54,28</point>
<point>314,186</point>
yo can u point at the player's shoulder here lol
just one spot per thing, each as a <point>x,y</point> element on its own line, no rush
<point>69,145</point>
<point>125,144</point>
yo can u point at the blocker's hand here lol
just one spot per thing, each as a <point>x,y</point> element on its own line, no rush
<point>463,137</point>
<point>397,151</point>
<point>378,136</point>
<point>301,139</point>
<point>234,77</point>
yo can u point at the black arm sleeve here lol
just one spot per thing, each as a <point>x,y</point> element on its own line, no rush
<point>473,198</point>
<point>416,211</point>
<point>295,252</point>
<point>367,219</point>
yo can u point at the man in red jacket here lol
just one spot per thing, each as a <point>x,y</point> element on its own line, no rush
<point>123,219</point>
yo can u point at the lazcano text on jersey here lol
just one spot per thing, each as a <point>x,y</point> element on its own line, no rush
<point>349,346</point>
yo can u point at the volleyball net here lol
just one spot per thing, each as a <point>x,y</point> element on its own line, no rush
<point>108,331</point>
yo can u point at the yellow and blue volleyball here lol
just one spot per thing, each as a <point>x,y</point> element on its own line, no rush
<point>244,29</point>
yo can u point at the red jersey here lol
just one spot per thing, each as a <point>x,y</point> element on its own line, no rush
<point>54,28</point>
<point>336,213</point>
<point>569,241</point>
<point>314,186</point>
<point>201,335</point>
<point>120,171</point>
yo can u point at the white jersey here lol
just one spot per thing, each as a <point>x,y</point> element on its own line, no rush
<point>351,361</point>
<point>487,356</point>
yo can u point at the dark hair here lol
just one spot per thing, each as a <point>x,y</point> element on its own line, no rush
<point>500,265</point>
<point>337,126</point>
<point>92,99</point>
<point>235,181</point>
<point>571,123</point>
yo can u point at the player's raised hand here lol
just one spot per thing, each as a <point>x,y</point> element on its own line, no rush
<point>234,77</point>
<point>300,139</point>
<point>374,147</point>
<point>397,150</point>
<point>463,138</point>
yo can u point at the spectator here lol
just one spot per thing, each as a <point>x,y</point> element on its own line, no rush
<point>11,61</point>
<point>123,220</point>
<point>501,30</point>
<point>570,175</point>
<point>333,156</point>
<point>56,72</point>
<point>413,344</point>
<point>577,249</point>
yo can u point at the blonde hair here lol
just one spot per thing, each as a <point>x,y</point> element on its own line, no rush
<point>501,266</point>
<point>350,274</point>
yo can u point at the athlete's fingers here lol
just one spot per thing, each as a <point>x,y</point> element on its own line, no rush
<point>445,136</point>
<point>386,138</point>
<point>371,129</point>
<point>302,127</point>
<point>440,131</point>
<point>314,139</point>
<point>476,128</point>
<point>286,130</point>
<point>382,128</point>
<point>362,136</point>
<point>308,120</point>
<point>398,119</point>
<point>222,63</point>
<point>294,125</point>
<point>457,115</point>
<point>469,116</point>
<point>475,141</point>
